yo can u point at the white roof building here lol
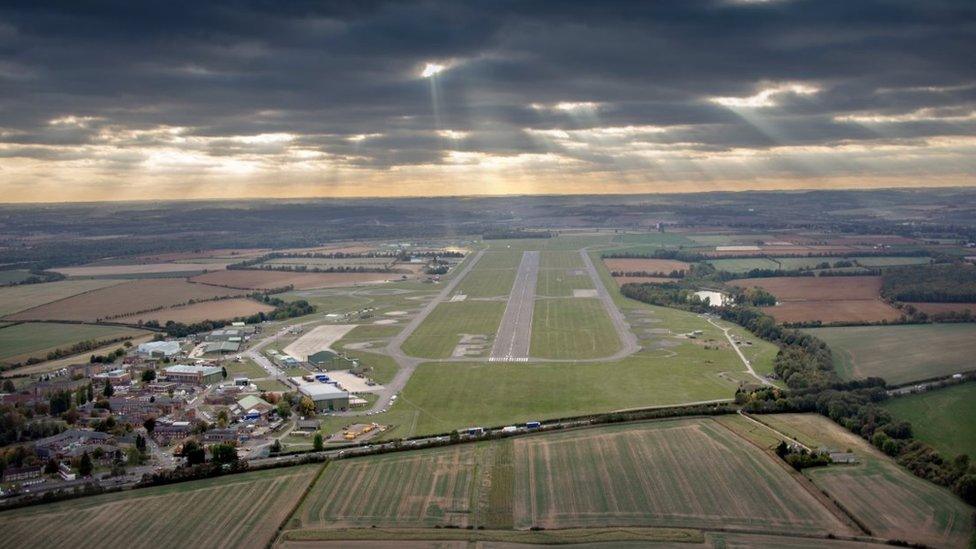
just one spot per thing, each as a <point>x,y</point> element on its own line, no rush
<point>159,348</point>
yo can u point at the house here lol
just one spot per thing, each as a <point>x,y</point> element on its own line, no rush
<point>115,377</point>
<point>167,431</point>
<point>159,349</point>
<point>198,375</point>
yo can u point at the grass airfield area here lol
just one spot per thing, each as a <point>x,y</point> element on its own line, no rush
<point>944,418</point>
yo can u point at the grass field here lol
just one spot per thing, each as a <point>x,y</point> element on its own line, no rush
<point>664,266</point>
<point>561,283</point>
<point>18,298</point>
<point>125,299</point>
<point>441,331</point>
<point>901,354</point>
<point>549,259</point>
<point>267,280</point>
<point>657,239</point>
<point>889,261</point>
<point>827,299</point>
<point>572,328</point>
<point>23,341</point>
<point>888,499</point>
<point>224,309</point>
<point>481,282</point>
<point>499,259</point>
<point>702,476</point>
<point>422,488</point>
<point>236,511</point>
<point>944,418</point>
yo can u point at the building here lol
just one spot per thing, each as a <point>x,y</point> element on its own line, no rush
<point>20,474</point>
<point>167,431</point>
<point>159,349</point>
<point>254,407</point>
<point>327,397</point>
<point>221,347</point>
<point>115,377</point>
<point>322,358</point>
<point>72,442</point>
<point>199,375</point>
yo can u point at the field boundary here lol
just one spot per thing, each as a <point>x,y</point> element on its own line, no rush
<point>282,526</point>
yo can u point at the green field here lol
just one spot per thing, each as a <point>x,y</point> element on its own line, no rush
<point>561,283</point>
<point>23,341</point>
<point>890,261</point>
<point>481,282</point>
<point>247,369</point>
<point>742,265</point>
<point>943,418</point>
<point>656,239</point>
<point>236,511</point>
<point>14,276</point>
<point>901,354</point>
<point>888,499</point>
<point>682,473</point>
<point>572,328</point>
<point>14,299</point>
<point>499,259</point>
<point>441,330</point>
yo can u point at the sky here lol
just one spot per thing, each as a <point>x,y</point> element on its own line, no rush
<point>167,100</point>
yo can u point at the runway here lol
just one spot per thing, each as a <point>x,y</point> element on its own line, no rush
<point>515,331</point>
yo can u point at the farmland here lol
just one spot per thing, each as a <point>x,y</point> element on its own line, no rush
<point>664,266</point>
<point>13,276</point>
<point>703,476</point>
<point>943,418</point>
<point>139,269</point>
<point>23,341</point>
<point>572,328</point>
<point>423,488</point>
<point>441,331</point>
<point>237,511</point>
<point>125,300</point>
<point>268,280</point>
<point>901,354</point>
<point>825,299</point>
<point>224,309</point>
<point>737,265</point>
<point>888,499</point>
<point>18,298</point>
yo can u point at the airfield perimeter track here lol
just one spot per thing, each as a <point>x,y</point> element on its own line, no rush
<point>515,331</point>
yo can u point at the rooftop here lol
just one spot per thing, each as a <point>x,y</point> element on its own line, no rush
<point>187,369</point>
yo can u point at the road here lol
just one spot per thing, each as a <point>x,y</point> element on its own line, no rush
<point>394,349</point>
<point>514,333</point>
<point>628,341</point>
<point>738,351</point>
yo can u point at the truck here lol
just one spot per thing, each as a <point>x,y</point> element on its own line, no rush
<point>474,431</point>
<point>532,424</point>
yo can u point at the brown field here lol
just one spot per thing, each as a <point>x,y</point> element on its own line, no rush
<point>14,299</point>
<point>647,265</point>
<point>827,299</point>
<point>224,309</point>
<point>621,280</point>
<point>141,268</point>
<point>854,310</point>
<point>690,473</point>
<point>222,253</point>
<point>885,497</point>
<point>869,240</point>
<point>811,288</point>
<point>125,299</point>
<point>234,511</point>
<point>933,308</point>
<point>265,280</point>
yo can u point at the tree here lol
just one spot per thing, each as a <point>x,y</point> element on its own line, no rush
<point>8,386</point>
<point>223,372</point>
<point>150,425</point>
<point>306,406</point>
<point>85,466</point>
<point>224,453</point>
<point>194,453</point>
<point>284,410</point>
<point>148,376</point>
<point>455,436</point>
<point>141,443</point>
<point>109,390</point>
<point>317,442</point>
<point>91,392</point>
<point>51,467</point>
<point>222,418</point>
<point>276,447</point>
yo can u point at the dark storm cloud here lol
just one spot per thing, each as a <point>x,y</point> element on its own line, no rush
<point>325,73</point>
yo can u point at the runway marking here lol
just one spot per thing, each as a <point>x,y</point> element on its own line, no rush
<point>515,330</point>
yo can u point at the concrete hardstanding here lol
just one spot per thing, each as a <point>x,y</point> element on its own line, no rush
<point>515,331</point>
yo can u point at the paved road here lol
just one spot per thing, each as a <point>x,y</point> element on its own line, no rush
<point>515,330</point>
<point>628,341</point>
<point>738,351</point>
